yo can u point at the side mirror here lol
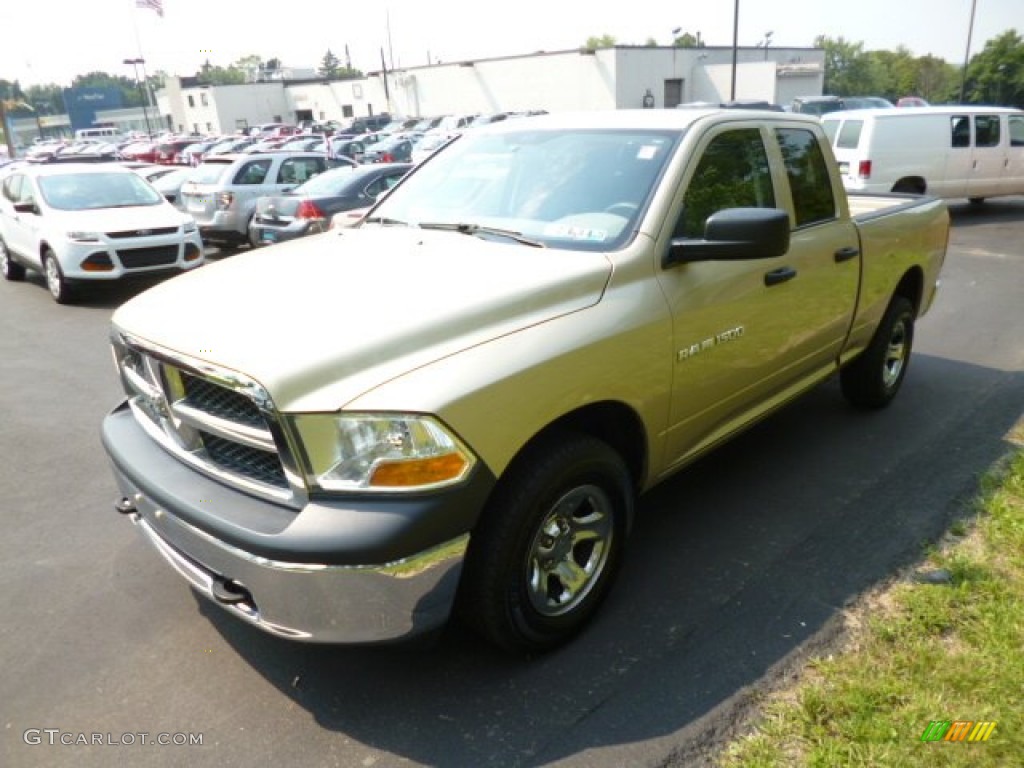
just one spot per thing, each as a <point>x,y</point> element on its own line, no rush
<point>26,207</point>
<point>735,234</point>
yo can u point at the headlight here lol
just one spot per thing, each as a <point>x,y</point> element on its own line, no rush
<point>190,226</point>
<point>84,237</point>
<point>380,452</point>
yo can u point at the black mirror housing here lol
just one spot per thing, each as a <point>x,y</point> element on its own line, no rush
<point>735,234</point>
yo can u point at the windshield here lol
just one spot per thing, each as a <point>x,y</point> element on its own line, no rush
<point>85,191</point>
<point>575,189</point>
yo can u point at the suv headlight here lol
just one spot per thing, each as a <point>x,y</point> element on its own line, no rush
<point>380,452</point>
<point>190,226</point>
<point>84,237</point>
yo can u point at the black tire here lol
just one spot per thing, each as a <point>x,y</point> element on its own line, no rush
<point>9,268</point>
<point>55,281</point>
<point>549,544</point>
<point>874,378</point>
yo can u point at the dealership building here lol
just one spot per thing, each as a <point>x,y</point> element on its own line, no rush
<point>619,77</point>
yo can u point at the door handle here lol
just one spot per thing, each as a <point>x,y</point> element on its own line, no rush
<point>780,275</point>
<point>847,253</point>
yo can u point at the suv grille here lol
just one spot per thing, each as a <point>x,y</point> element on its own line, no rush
<point>218,422</point>
<point>157,256</point>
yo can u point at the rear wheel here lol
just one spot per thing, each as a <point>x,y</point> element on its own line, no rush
<point>547,548</point>
<point>910,186</point>
<point>10,269</point>
<point>874,378</point>
<point>55,281</point>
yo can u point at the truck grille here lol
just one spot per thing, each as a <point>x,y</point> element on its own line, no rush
<point>218,421</point>
<point>221,402</point>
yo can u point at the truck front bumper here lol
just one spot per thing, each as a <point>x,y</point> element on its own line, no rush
<point>307,598</point>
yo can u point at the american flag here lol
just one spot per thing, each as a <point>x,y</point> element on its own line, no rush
<point>153,5</point>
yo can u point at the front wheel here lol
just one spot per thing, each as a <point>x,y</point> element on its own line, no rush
<point>874,378</point>
<point>10,269</point>
<point>55,281</point>
<point>547,548</point>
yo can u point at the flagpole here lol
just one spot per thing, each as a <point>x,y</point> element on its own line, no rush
<point>147,95</point>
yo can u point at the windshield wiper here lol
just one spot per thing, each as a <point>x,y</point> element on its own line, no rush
<point>385,221</point>
<point>480,229</point>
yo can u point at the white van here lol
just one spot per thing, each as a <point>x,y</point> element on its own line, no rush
<point>949,152</point>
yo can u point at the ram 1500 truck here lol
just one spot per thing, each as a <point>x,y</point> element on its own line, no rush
<point>455,404</point>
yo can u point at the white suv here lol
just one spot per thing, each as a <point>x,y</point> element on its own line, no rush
<point>78,222</point>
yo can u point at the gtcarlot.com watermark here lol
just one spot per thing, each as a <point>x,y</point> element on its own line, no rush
<point>57,737</point>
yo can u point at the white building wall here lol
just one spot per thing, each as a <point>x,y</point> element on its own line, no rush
<point>611,78</point>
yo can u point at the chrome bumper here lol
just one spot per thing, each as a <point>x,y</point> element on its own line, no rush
<point>305,601</point>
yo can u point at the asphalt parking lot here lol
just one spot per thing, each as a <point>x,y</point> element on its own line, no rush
<point>738,567</point>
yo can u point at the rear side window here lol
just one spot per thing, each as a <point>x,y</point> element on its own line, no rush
<point>809,178</point>
<point>733,173</point>
<point>253,173</point>
<point>299,169</point>
<point>986,131</point>
<point>1016,125</point>
<point>849,134</point>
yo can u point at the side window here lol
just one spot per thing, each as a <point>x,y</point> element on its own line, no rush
<point>253,173</point>
<point>297,170</point>
<point>960,131</point>
<point>986,131</point>
<point>1016,125</point>
<point>809,178</point>
<point>732,173</point>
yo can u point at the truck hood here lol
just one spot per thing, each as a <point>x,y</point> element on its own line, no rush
<point>321,320</point>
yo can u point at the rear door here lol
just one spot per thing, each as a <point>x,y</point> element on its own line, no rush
<point>1013,169</point>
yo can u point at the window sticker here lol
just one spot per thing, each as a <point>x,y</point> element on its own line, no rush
<point>589,234</point>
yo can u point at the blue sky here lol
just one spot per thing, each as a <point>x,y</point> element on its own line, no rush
<point>53,41</point>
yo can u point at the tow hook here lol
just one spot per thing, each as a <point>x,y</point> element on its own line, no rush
<point>230,592</point>
<point>126,506</point>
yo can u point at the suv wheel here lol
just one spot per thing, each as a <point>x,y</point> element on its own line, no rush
<point>55,281</point>
<point>10,269</point>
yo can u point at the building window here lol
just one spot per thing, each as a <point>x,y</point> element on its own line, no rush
<point>202,98</point>
<point>191,100</point>
<point>346,110</point>
<point>209,127</point>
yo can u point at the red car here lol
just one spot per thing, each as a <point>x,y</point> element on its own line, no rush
<point>142,151</point>
<point>168,152</point>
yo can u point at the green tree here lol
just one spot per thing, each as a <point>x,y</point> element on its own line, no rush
<point>210,74</point>
<point>996,75</point>
<point>848,70</point>
<point>604,41</point>
<point>686,40</point>
<point>330,65</point>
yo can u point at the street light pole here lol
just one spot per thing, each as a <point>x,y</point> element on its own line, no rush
<point>735,46</point>
<point>967,52</point>
<point>145,99</point>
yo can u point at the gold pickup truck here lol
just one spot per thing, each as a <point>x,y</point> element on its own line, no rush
<point>454,405</point>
